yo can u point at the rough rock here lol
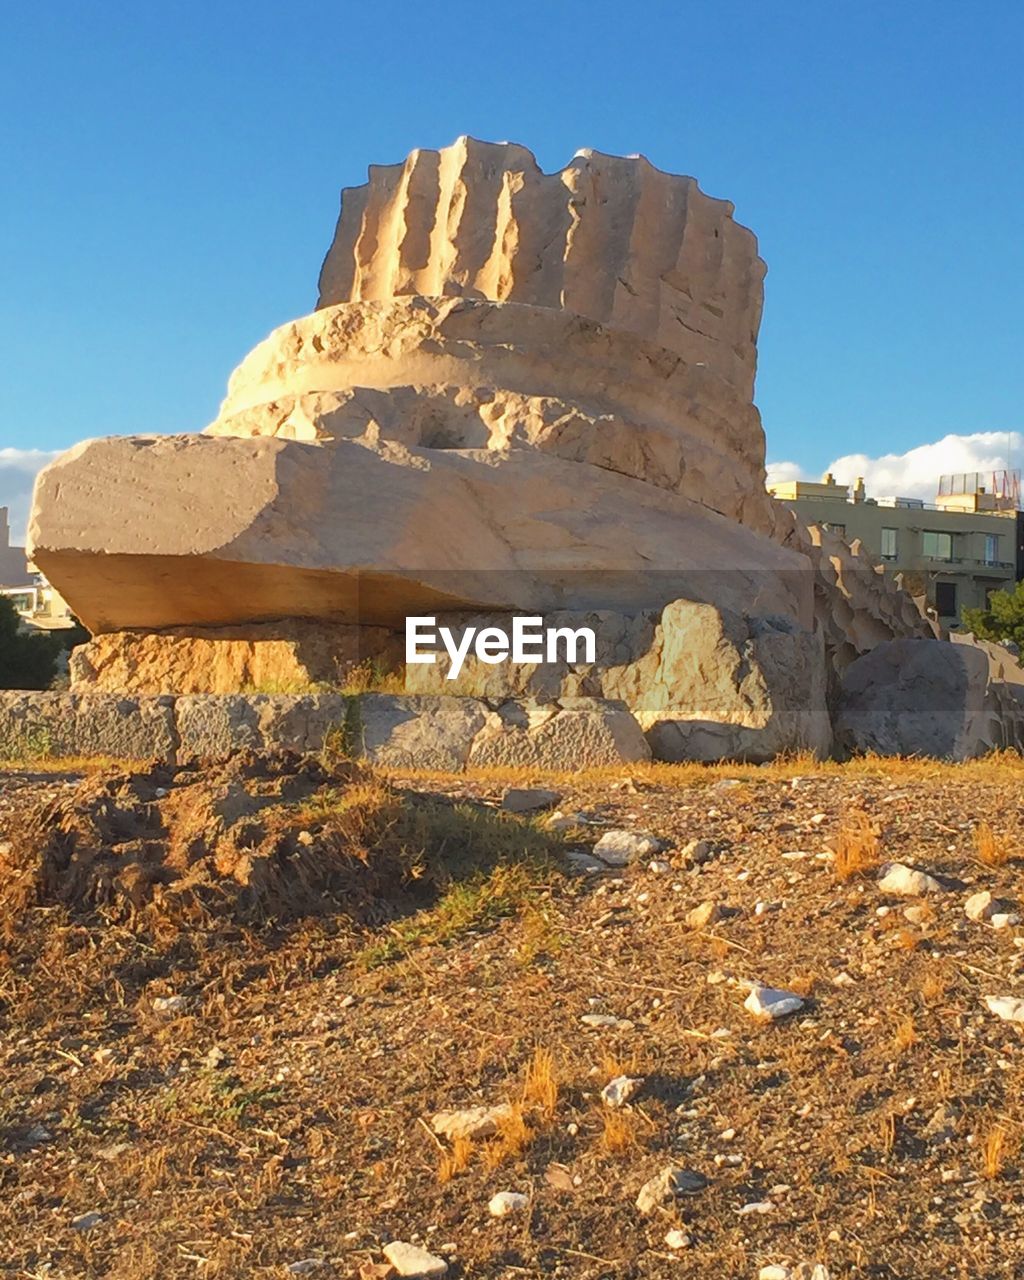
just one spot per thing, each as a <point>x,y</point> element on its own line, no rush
<point>907,882</point>
<point>703,682</point>
<point>387,729</point>
<point>929,698</point>
<point>529,799</point>
<point>980,906</point>
<point>1009,1008</point>
<point>411,1260</point>
<point>411,532</point>
<point>505,1203</point>
<point>666,1187</point>
<point>621,1090</point>
<point>706,914</point>
<point>770,1003</point>
<point>618,848</point>
<point>272,657</point>
<point>451,733</point>
<point>39,724</point>
<point>472,1122</point>
<point>608,237</point>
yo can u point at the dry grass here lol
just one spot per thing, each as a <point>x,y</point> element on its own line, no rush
<point>455,1161</point>
<point>994,1152</point>
<point>619,1132</point>
<point>513,1138</point>
<point>856,847</point>
<point>540,1086</point>
<point>989,850</point>
<point>905,1036</point>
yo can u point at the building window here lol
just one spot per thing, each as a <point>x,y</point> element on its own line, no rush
<point>991,548</point>
<point>945,599</point>
<point>937,546</point>
<point>888,544</point>
<point>832,527</point>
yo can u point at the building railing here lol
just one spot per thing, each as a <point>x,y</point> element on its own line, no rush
<point>901,504</point>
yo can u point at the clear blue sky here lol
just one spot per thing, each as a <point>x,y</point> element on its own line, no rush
<point>171,177</point>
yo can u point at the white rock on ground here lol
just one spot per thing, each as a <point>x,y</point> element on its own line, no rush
<point>708,913</point>
<point>906,882</point>
<point>666,1186</point>
<point>411,1260</point>
<point>1009,1008</point>
<point>599,1021</point>
<point>618,848</point>
<point>770,1002</point>
<point>86,1221</point>
<point>169,1004</point>
<point>473,1122</point>
<point>506,1202</point>
<point>526,799</point>
<point>619,1091</point>
<point>979,906</point>
<point>677,1239</point>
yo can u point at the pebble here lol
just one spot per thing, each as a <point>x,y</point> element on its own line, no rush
<point>677,1239</point>
<point>411,1260</point>
<point>917,914</point>
<point>771,1003</point>
<point>305,1265</point>
<point>756,1206</point>
<point>169,1004</point>
<point>708,913</point>
<point>659,867</point>
<point>506,1202</point>
<point>697,852</point>
<point>584,863</point>
<point>526,799</point>
<point>1009,1008</point>
<point>618,848</point>
<point>906,882</point>
<point>86,1221</point>
<point>619,1091</point>
<point>598,1021</point>
<point>979,906</point>
<point>667,1186</point>
<point>473,1122</point>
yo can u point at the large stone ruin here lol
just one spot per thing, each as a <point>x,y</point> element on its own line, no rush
<point>519,393</point>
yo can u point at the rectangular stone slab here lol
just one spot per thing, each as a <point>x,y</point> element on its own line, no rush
<point>163,531</point>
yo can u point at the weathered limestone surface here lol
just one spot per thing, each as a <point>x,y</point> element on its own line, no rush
<point>703,683</point>
<point>279,528</point>
<point>467,373</point>
<point>283,657</point>
<point>70,724</point>
<point>393,731</point>
<point>856,604</point>
<point>931,698</point>
<point>608,237</point>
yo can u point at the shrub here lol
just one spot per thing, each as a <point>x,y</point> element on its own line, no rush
<point>27,661</point>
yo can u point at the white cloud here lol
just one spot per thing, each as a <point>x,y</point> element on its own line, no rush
<point>778,472</point>
<point>915,474</point>
<point>18,469</point>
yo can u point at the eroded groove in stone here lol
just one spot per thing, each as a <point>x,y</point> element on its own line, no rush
<point>608,237</point>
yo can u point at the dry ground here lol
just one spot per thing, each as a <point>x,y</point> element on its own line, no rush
<point>281,1113</point>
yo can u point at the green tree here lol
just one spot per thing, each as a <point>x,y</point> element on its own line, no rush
<point>1002,620</point>
<point>26,661</point>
